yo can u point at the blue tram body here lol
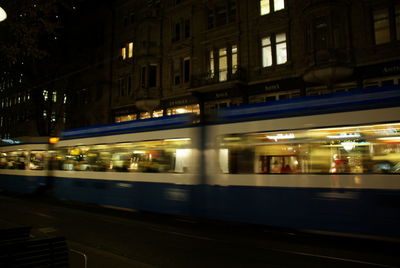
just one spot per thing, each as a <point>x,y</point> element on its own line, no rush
<point>23,167</point>
<point>324,163</point>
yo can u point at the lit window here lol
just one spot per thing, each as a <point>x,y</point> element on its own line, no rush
<point>226,61</point>
<point>44,114</point>
<point>279,5</point>
<point>281,51</point>
<point>212,70</point>
<point>123,53</point>
<point>234,59</point>
<point>274,50</point>
<point>130,50</point>
<point>45,94</point>
<point>223,64</point>
<point>54,96</point>
<point>65,98</point>
<point>264,7</point>
<point>381,26</point>
<point>266,52</point>
<point>267,5</point>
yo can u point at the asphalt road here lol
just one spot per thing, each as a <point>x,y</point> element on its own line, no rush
<point>103,237</point>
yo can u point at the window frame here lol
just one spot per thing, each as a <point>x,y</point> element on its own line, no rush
<point>274,49</point>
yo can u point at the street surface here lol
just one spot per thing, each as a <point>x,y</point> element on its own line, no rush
<point>104,237</point>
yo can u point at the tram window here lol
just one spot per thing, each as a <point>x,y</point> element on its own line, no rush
<point>169,155</point>
<point>36,160</point>
<point>361,149</point>
<point>389,82</point>
<point>15,160</point>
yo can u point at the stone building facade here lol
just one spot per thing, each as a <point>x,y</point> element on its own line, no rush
<point>201,56</point>
<point>133,59</point>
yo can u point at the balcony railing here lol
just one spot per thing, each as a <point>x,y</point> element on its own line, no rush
<point>218,76</point>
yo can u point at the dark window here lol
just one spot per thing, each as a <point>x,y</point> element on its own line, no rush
<point>187,29</point>
<point>232,11</point>
<point>386,23</point>
<point>177,79</point>
<point>123,86</point>
<point>176,70</point>
<point>284,96</point>
<point>321,33</point>
<point>210,20</point>
<point>270,98</point>
<point>129,88</point>
<point>143,77</point>
<point>177,32</point>
<point>221,16</point>
<point>152,76</point>
<point>186,67</point>
<point>388,82</point>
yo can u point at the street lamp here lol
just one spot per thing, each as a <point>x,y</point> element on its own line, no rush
<point>3,14</point>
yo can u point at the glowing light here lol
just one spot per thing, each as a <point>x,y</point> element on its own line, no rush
<point>54,140</point>
<point>181,111</point>
<point>390,139</point>
<point>178,139</point>
<point>3,14</point>
<point>10,141</point>
<point>182,153</point>
<point>281,137</point>
<point>345,136</point>
<point>348,145</point>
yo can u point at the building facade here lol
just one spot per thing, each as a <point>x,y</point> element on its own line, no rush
<point>201,56</point>
<point>132,60</point>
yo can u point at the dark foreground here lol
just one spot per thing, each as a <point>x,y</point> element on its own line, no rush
<point>102,237</point>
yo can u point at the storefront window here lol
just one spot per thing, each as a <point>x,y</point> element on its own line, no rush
<point>123,118</point>
<point>194,108</point>
<point>158,113</point>
<point>145,115</point>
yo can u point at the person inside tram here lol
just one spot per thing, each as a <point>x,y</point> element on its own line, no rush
<point>286,169</point>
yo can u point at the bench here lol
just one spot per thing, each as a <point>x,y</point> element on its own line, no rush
<point>47,252</point>
<point>12,235</point>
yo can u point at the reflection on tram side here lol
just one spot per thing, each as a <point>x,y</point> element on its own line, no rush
<point>356,149</point>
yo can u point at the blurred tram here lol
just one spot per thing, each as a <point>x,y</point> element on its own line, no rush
<point>23,166</point>
<point>328,163</point>
<point>150,164</point>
